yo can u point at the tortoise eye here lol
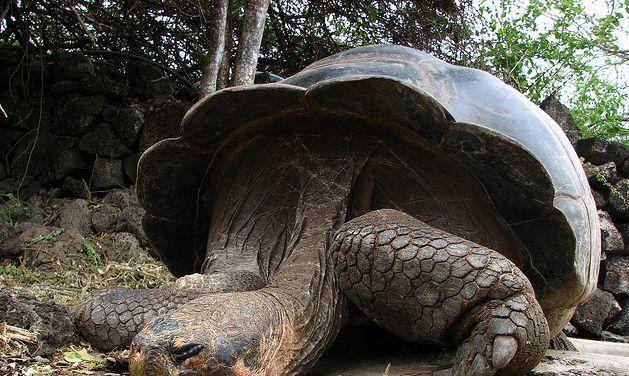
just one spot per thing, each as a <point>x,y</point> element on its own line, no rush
<point>186,351</point>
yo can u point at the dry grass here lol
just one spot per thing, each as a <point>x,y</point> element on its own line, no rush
<point>70,287</point>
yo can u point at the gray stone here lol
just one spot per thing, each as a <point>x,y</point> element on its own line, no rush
<point>599,199</point>
<point>75,188</point>
<point>119,198</point>
<point>120,247</point>
<point>599,151</point>
<point>611,240</point>
<point>49,157</point>
<point>130,165</point>
<point>593,315</point>
<point>76,214</point>
<point>620,324</point>
<point>36,209</point>
<point>163,122</point>
<point>105,218</point>
<point>617,274</point>
<point>624,232</point>
<point>624,168</point>
<point>103,142</point>
<point>73,66</point>
<point>612,337</point>
<point>127,123</point>
<point>601,177</point>
<point>52,322</point>
<point>107,174</point>
<point>132,215</point>
<point>618,201</point>
<point>570,330</point>
<point>9,243</point>
<point>561,114</point>
<point>75,114</point>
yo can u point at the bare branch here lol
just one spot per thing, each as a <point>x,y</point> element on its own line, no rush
<point>249,42</point>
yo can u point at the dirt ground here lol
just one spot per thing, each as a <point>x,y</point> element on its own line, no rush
<point>69,285</point>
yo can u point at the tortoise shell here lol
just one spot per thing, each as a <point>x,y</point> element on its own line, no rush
<point>519,155</point>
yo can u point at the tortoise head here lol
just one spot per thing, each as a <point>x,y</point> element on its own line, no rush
<point>224,334</point>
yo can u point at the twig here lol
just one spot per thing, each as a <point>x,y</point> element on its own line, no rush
<point>84,26</point>
<point>3,112</point>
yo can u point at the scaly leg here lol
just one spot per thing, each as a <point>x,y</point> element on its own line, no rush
<point>112,318</point>
<point>427,285</point>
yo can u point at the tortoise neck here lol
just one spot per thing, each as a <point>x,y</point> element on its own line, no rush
<point>275,193</point>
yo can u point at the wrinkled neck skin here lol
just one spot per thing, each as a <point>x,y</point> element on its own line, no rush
<point>276,206</point>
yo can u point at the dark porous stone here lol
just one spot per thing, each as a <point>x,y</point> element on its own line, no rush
<point>611,240</point>
<point>132,215</point>
<point>52,322</point>
<point>3,171</point>
<point>127,123</point>
<point>561,342</point>
<point>570,330</point>
<point>624,168</point>
<point>75,188</point>
<point>617,274</point>
<point>107,174</point>
<point>120,247</point>
<point>618,201</point>
<point>599,199</point>
<point>620,324</point>
<point>163,122</point>
<point>75,114</point>
<point>104,143</point>
<point>65,87</point>
<point>119,198</point>
<point>49,157</point>
<point>73,66</point>
<point>9,243</point>
<point>624,232</point>
<point>561,114</point>
<point>612,337</point>
<point>600,177</point>
<point>593,315</point>
<point>599,151</point>
<point>130,166</point>
<point>76,214</point>
<point>105,218</point>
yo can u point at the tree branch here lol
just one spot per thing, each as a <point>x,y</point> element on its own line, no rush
<point>249,42</point>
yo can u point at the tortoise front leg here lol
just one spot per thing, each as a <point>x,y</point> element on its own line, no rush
<point>112,318</point>
<point>427,285</point>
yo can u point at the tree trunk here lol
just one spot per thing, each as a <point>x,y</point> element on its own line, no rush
<point>217,26</point>
<point>249,42</point>
<point>223,71</point>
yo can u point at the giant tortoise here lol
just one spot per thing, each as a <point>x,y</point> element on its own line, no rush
<point>434,198</point>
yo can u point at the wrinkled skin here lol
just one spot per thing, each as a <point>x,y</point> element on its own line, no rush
<point>297,230</point>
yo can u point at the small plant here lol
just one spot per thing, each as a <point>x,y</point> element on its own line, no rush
<point>598,174</point>
<point>19,274</point>
<point>81,355</point>
<point>93,257</point>
<point>47,237</point>
<point>13,208</point>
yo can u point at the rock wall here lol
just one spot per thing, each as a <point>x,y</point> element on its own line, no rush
<point>606,164</point>
<point>80,124</point>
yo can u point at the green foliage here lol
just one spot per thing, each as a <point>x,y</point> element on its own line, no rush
<point>601,178</point>
<point>12,208</point>
<point>19,274</point>
<point>47,237</point>
<point>94,257</point>
<point>561,47</point>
